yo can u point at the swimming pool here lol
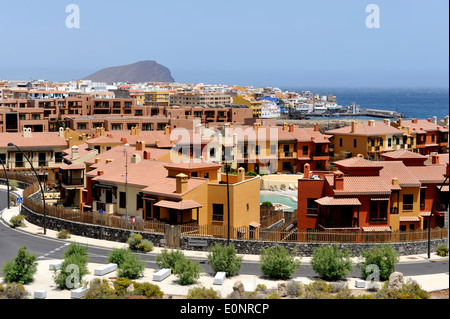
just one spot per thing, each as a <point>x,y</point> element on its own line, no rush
<point>278,198</point>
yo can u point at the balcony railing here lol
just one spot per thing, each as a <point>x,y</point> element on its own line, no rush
<point>72,180</point>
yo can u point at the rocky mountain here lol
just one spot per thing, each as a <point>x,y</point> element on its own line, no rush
<point>143,71</point>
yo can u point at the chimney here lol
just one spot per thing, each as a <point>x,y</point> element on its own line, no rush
<point>140,146</point>
<point>285,126</point>
<point>387,121</point>
<point>135,158</point>
<point>100,173</point>
<point>353,127</point>
<point>429,120</point>
<point>146,155</point>
<point>395,181</point>
<point>97,160</point>
<point>307,171</point>
<point>26,132</point>
<point>446,121</point>
<point>338,180</point>
<point>400,123</point>
<point>109,160</point>
<point>241,174</point>
<point>61,132</point>
<point>74,150</point>
<point>408,130</point>
<point>167,130</point>
<point>435,159</point>
<point>109,135</point>
<point>182,181</point>
<point>316,127</point>
<point>291,128</point>
<point>255,127</point>
<point>157,142</point>
<point>435,119</point>
<point>371,123</point>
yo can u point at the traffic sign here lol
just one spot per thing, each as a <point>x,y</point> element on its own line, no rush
<point>19,200</point>
<point>133,220</point>
<point>100,211</point>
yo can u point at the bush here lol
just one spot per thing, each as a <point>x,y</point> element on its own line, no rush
<point>442,250</point>
<point>132,267</point>
<point>63,234</point>
<point>202,293</point>
<point>21,269</point>
<point>224,259</point>
<point>71,272</point>
<point>120,285</point>
<point>277,263</point>
<point>118,256</point>
<point>267,204</point>
<point>251,173</point>
<point>168,259</point>
<point>187,271</point>
<point>17,221</point>
<point>100,289</point>
<point>136,243</point>
<point>331,263</point>
<point>293,288</point>
<point>13,291</point>
<point>76,249</point>
<point>148,290</point>
<point>384,257</point>
<point>409,290</point>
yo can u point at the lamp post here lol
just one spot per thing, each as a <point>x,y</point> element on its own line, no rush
<point>7,181</point>
<point>39,181</point>
<point>225,158</point>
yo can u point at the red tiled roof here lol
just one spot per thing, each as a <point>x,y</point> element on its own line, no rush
<point>410,219</point>
<point>429,174</point>
<point>181,205</point>
<point>331,201</point>
<point>376,228</point>
<point>364,129</point>
<point>37,140</point>
<point>403,154</point>
<point>361,185</point>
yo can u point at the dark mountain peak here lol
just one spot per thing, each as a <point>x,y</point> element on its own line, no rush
<point>142,71</point>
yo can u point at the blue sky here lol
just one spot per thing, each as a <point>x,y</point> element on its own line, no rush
<point>294,43</point>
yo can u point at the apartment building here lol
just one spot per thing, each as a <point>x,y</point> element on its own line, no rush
<point>192,98</point>
<point>370,196</point>
<point>370,139</point>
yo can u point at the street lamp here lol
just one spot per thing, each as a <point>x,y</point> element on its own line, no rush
<point>40,185</point>
<point>225,160</point>
<point>7,181</point>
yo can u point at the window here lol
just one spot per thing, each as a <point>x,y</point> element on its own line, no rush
<point>81,126</point>
<point>217,213</point>
<point>311,206</point>
<point>273,149</point>
<point>340,141</point>
<point>122,200</point>
<point>139,201</point>
<point>257,149</point>
<point>212,152</point>
<point>389,142</point>
<point>287,166</point>
<point>378,211</point>
<point>433,138</point>
<point>355,142</point>
<point>408,201</point>
<point>305,150</point>
<point>3,158</point>
<point>422,197</point>
<point>206,175</point>
<point>116,127</point>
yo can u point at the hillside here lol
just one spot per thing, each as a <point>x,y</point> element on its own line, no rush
<point>143,71</point>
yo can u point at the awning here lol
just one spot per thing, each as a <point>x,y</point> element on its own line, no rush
<point>255,224</point>
<point>71,166</point>
<point>181,205</point>
<point>425,214</point>
<point>410,219</point>
<point>444,188</point>
<point>379,199</point>
<point>376,228</point>
<point>332,201</point>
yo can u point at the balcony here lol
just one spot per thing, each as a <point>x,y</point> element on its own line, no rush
<point>72,181</point>
<point>287,154</point>
<point>320,156</point>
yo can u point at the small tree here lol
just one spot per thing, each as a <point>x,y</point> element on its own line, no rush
<point>331,263</point>
<point>168,259</point>
<point>132,267</point>
<point>384,257</point>
<point>118,256</point>
<point>187,271</point>
<point>21,270</point>
<point>224,259</point>
<point>277,263</point>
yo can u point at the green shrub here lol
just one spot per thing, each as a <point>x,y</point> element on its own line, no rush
<point>100,289</point>
<point>383,256</point>
<point>202,293</point>
<point>63,234</point>
<point>251,173</point>
<point>168,259</point>
<point>331,263</point>
<point>187,271</point>
<point>118,256</point>
<point>132,267</point>
<point>442,250</point>
<point>21,269</point>
<point>17,221</point>
<point>13,291</point>
<point>273,295</point>
<point>148,290</point>
<point>224,259</point>
<point>76,249</point>
<point>267,204</point>
<point>410,290</point>
<point>72,270</point>
<point>134,240</point>
<point>277,263</point>
<point>145,246</point>
<point>121,285</point>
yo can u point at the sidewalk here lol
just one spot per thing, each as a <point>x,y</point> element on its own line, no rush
<point>44,277</point>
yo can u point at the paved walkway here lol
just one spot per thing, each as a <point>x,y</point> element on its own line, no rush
<point>44,276</point>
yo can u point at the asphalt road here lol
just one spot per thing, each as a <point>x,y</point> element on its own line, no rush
<point>48,248</point>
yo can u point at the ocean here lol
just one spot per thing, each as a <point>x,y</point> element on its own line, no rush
<point>420,103</point>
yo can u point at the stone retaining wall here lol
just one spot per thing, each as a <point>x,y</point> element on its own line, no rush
<point>242,246</point>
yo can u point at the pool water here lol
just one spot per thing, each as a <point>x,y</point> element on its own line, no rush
<point>277,198</point>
